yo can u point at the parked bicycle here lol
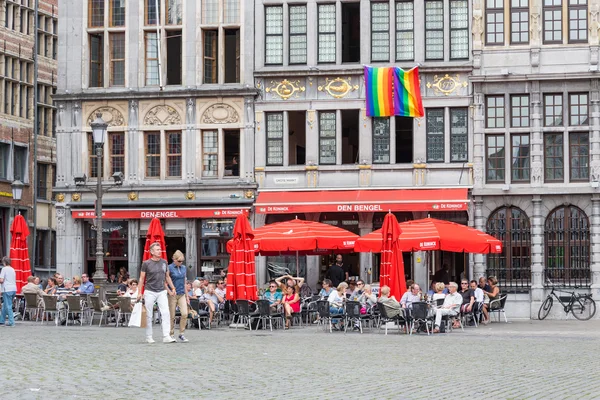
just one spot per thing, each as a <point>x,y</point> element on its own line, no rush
<point>582,306</point>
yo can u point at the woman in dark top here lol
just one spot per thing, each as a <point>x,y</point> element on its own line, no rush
<point>492,294</point>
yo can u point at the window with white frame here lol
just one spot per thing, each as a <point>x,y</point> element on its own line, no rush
<point>380,31</point>
<point>274,35</point>
<point>327,138</point>
<point>173,154</point>
<point>106,24</point>
<point>381,140</point>
<point>494,108</point>
<point>326,33</point>
<point>434,118</point>
<point>222,42</point>
<point>458,135</point>
<point>298,41</point>
<point>274,138</point>
<point>405,34</point>
<point>116,151</point>
<point>434,30</point>
<point>152,154</point>
<point>459,30</point>
<point>210,154</point>
<point>519,111</point>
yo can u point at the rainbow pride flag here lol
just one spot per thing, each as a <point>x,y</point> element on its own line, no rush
<point>407,93</point>
<point>379,91</point>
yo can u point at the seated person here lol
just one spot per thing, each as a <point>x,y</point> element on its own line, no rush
<point>326,289</point>
<point>38,282</point>
<point>76,283</point>
<point>196,289</point>
<point>432,289</point>
<point>221,290</point>
<point>86,287</point>
<point>392,307</point>
<point>31,287</point>
<point>367,298</point>
<point>212,300</point>
<point>189,291</point>
<point>50,287</point>
<point>440,287</point>
<point>274,296</point>
<point>450,307</point>
<point>336,300</point>
<point>291,304</point>
<point>351,289</point>
<point>478,292</point>
<point>132,291</point>
<point>112,278</point>
<point>411,296</point>
<point>65,290</point>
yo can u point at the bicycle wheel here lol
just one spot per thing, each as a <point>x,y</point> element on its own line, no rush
<point>545,308</point>
<point>583,308</point>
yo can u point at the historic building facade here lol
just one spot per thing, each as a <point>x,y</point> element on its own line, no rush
<point>175,86</point>
<point>312,133</point>
<point>536,148</point>
<point>28,78</point>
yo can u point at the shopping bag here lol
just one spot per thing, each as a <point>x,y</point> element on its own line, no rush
<point>136,315</point>
<point>144,316</point>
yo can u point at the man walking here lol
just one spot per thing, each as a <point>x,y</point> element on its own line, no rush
<point>8,279</point>
<point>155,277</point>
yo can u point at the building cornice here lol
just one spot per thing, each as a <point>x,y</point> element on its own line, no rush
<point>533,77</point>
<point>328,70</point>
<point>153,93</point>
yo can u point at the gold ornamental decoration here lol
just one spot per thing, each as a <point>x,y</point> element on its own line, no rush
<point>447,84</point>
<point>337,87</point>
<point>60,197</point>
<point>132,196</point>
<point>190,195</point>
<point>286,88</point>
<point>76,196</point>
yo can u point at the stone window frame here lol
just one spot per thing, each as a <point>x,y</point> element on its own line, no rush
<point>437,29</point>
<point>382,135</point>
<point>325,139</point>
<point>552,8</point>
<point>518,11</point>
<point>497,10</point>
<point>323,34</point>
<point>433,138</point>
<point>408,30</point>
<point>273,38</point>
<point>304,34</point>
<point>384,31</point>
<point>514,159</point>
<point>454,41</point>
<point>455,137</point>
<point>495,119</point>
<point>498,162</point>
<point>275,142</point>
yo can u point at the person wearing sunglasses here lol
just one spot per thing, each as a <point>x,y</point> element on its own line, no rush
<point>178,296</point>
<point>275,297</point>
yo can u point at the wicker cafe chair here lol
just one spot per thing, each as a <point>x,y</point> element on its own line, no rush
<point>31,305</point>
<point>51,308</point>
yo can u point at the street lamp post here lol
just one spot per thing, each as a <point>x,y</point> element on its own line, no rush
<point>99,128</point>
<point>17,192</point>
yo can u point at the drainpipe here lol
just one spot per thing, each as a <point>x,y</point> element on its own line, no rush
<point>158,42</point>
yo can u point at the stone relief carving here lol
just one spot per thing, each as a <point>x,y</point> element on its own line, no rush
<point>162,115</point>
<point>536,172</point>
<point>477,28</point>
<point>76,110</point>
<point>595,171</point>
<point>478,174</point>
<point>60,218</point>
<point>594,24</point>
<point>447,84</point>
<point>110,115</point>
<point>61,111</point>
<point>535,27</point>
<point>338,87</point>
<point>133,108</point>
<point>191,104</point>
<point>286,88</point>
<point>220,114</point>
<point>248,101</point>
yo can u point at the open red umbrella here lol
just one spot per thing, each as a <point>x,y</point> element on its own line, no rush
<point>434,234</point>
<point>392,264</point>
<point>19,254</point>
<point>241,273</point>
<point>155,235</point>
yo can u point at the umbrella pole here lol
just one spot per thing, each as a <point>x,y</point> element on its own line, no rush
<point>297,263</point>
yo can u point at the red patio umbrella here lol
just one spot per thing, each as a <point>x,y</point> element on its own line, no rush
<point>155,235</point>
<point>392,264</point>
<point>241,273</point>
<point>19,254</point>
<point>435,234</point>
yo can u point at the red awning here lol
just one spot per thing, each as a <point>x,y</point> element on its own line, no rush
<point>160,213</point>
<point>362,201</point>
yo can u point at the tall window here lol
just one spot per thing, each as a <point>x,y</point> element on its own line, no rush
<point>174,154</point>
<point>326,33</point>
<point>116,150</point>
<point>567,253</point>
<point>405,35</point>
<point>174,12</point>
<point>553,110</point>
<point>520,157</point>
<point>4,157</point>
<point>42,181</point>
<point>458,135</point>
<point>210,11</point>
<point>519,111</point>
<point>210,153</point>
<point>495,158</point>
<point>553,157</point>
<point>512,267</point>
<point>578,21</point>
<point>274,138</point>
<point>231,11</point>
<point>381,140</point>
<point>117,13</point>
<point>274,35</point>
<point>96,13</point>
<point>152,14</point>
<point>552,21</point>
<point>380,32</point>
<point>210,56</point>
<point>298,21</point>
<point>519,21</point>
<point>327,136</point>
<point>117,59</point>
<point>435,134</point>
<point>92,163</point>
<point>579,156</point>
<point>494,22</point>
<point>494,111</point>
<point>578,109</point>
<point>152,77</point>
<point>96,60</point>
<point>459,30</point>
<point>153,155</point>
<point>434,30</point>
<point>20,163</point>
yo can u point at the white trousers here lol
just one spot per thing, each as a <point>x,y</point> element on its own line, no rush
<point>163,306</point>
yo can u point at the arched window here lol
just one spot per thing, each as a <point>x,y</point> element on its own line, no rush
<point>513,266</point>
<point>567,242</point>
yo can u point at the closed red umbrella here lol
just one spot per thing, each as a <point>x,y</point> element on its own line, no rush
<point>155,235</point>
<point>241,273</point>
<point>19,254</point>
<point>392,264</point>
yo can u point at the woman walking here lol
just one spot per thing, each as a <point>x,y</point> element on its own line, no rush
<point>178,297</point>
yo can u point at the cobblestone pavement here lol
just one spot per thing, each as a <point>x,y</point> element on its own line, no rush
<point>518,360</point>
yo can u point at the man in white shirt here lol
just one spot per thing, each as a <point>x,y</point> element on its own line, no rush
<point>478,292</point>
<point>8,279</point>
<point>411,296</point>
<point>450,307</point>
